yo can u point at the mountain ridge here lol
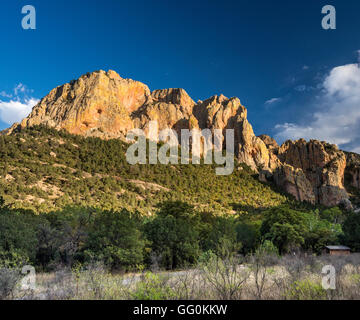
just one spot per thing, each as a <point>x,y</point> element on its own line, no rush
<point>102,104</point>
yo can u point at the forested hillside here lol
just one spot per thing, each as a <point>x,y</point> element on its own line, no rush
<point>43,169</point>
<point>66,199</point>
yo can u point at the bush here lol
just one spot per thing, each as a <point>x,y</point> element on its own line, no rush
<point>223,272</point>
<point>13,259</point>
<point>9,278</point>
<point>153,287</point>
<point>263,257</point>
<point>306,290</point>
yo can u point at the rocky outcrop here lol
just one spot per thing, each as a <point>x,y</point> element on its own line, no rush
<point>270,143</point>
<point>312,171</point>
<point>352,170</point>
<point>219,112</point>
<point>294,181</point>
<point>105,105</point>
<point>97,104</point>
<point>176,97</point>
<point>273,148</point>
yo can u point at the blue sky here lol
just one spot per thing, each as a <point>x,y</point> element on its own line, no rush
<point>273,55</point>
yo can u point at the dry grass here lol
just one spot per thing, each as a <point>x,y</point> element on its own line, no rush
<point>287,278</point>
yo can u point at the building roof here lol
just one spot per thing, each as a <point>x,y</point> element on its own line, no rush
<point>337,247</point>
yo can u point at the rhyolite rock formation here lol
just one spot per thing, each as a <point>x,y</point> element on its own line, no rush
<point>97,104</point>
<point>104,105</point>
<point>312,171</point>
<point>352,170</point>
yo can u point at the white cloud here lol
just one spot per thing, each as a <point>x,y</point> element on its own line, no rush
<point>20,88</point>
<point>272,101</point>
<point>356,150</point>
<point>5,94</point>
<point>17,105</point>
<point>14,111</point>
<point>338,117</point>
<point>305,67</point>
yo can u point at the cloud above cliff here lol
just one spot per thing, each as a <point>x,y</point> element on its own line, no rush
<point>272,101</point>
<point>18,104</point>
<point>337,115</point>
<point>14,111</point>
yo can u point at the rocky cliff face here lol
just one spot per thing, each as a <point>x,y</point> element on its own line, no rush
<point>219,112</point>
<point>352,170</point>
<point>97,104</point>
<point>105,105</point>
<point>312,171</point>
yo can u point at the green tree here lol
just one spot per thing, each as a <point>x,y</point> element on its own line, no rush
<point>284,227</point>
<point>351,229</point>
<point>174,234</point>
<point>248,234</point>
<point>320,232</point>
<point>333,215</point>
<point>115,238</point>
<point>63,240</point>
<point>215,229</point>
<point>17,235</point>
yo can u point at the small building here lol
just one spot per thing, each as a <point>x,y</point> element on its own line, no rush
<point>337,250</point>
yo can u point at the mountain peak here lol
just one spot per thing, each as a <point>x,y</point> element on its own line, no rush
<point>105,105</point>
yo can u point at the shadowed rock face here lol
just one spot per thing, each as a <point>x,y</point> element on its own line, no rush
<point>352,170</point>
<point>294,181</point>
<point>270,143</point>
<point>104,105</point>
<point>312,171</point>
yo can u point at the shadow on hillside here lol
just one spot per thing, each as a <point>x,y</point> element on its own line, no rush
<point>241,208</point>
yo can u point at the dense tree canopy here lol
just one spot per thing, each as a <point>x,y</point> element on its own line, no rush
<point>71,200</point>
<point>116,239</point>
<point>351,229</point>
<point>174,234</point>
